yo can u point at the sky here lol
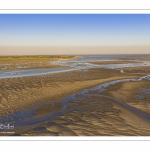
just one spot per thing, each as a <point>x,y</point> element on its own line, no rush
<point>73,30</point>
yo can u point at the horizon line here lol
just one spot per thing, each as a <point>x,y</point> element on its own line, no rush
<point>78,54</point>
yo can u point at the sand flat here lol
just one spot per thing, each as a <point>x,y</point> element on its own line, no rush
<point>93,116</point>
<point>27,91</point>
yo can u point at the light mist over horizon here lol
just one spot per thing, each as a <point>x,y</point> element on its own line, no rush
<point>58,34</point>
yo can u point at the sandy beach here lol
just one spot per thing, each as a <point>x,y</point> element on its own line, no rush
<point>54,104</point>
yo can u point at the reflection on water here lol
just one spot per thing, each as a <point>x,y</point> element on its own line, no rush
<point>76,64</point>
<point>88,58</point>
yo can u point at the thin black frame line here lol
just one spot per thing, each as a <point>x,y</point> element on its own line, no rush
<point>74,9</point>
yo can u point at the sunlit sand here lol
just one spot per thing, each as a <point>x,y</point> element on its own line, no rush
<point>77,102</point>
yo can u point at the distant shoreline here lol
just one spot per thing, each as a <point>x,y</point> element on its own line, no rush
<point>35,58</point>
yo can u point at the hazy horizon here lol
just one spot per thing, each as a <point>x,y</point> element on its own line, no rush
<point>84,50</point>
<point>58,34</point>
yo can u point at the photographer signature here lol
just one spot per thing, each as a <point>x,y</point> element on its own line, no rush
<point>2,126</point>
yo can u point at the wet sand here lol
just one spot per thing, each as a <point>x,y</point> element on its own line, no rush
<point>27,91</point>
<point>91,116</point>
<point>112,62</point>
<point>139,70</point>
<point>136,94</point>
<point>24,65</point>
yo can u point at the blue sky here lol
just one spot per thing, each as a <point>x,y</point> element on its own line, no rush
<point>74,29</point>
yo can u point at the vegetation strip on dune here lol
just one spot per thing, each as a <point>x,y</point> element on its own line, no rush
<point>28,58</point>
<point>30,62</point>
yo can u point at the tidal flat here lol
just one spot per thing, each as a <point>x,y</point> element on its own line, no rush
<point>92,97</point>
